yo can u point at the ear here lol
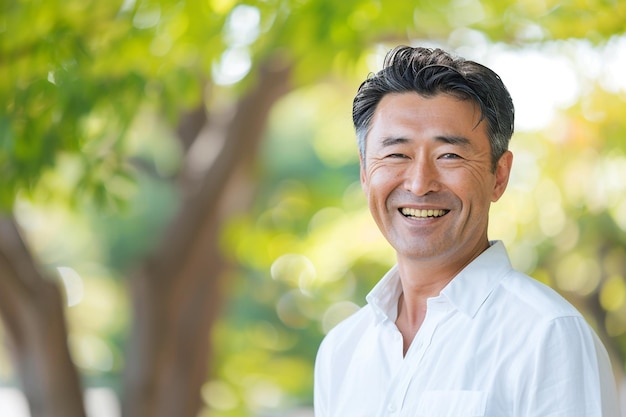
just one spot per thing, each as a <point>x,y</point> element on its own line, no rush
<point>503,171</point>
<point>363,174</point>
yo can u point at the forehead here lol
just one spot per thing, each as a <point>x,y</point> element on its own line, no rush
<point>414,116</point>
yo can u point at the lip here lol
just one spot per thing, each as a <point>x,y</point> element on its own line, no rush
<point>421,207</point>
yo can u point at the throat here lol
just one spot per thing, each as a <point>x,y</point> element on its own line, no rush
<point>409,322</point>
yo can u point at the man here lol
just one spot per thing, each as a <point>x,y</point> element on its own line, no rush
<point>451,330</point>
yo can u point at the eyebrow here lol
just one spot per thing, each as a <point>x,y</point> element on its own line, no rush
<point>390,141</point>
<point>451,140</point>
<point>454,140</point>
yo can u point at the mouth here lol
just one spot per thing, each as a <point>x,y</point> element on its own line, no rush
<point>422,213</point>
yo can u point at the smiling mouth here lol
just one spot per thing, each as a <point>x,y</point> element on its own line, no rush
<point>422,214</point>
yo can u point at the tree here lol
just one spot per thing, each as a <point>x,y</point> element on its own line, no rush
<point>76,75</point>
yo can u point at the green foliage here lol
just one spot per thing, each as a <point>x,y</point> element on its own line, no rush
<point>77,75</point>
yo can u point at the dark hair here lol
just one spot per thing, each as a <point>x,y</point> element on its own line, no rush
<point>429,72</point>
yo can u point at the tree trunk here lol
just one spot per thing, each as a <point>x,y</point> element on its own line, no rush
<point>32,311</point>
<point>177,293</point>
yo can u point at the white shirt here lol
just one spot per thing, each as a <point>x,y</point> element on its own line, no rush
<point>494,343</point>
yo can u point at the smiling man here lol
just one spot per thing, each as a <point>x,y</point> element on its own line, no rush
<point>451,330</point>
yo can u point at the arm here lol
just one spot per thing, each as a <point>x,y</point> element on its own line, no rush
<point>569,373</point>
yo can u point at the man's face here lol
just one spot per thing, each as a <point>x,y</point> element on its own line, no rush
<point>428,176</point>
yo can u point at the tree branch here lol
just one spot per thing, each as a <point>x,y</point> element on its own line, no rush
<point>31,308</point>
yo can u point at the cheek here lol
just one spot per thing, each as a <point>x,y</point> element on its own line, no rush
<point>474,194</point>
<point>381,182</point>
<point>479,182</point>
<point>372,176</point>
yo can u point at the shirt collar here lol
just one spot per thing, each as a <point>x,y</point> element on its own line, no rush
<point>471,287</point>
<point>384,296</point>
<point>466,292</point>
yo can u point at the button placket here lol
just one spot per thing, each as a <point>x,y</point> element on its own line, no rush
<point>400,381</point>
<point>417,350</point>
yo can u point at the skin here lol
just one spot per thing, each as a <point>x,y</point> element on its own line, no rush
<point>430,154</point>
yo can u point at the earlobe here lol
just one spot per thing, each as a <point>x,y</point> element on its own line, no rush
<point>503,171</point>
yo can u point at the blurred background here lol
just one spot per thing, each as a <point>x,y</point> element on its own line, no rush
<point>182,216</point>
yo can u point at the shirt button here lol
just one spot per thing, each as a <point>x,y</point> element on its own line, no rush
<point>391,408</point>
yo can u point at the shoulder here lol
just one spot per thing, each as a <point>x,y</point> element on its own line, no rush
<point>533,298</point>
<point>529,313</point>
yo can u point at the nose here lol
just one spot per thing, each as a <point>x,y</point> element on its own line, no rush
<point>422,177</point>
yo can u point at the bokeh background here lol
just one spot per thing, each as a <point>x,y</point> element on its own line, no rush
<point>186,174</point>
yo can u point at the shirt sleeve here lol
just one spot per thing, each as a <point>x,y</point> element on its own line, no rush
<point>569,373</point>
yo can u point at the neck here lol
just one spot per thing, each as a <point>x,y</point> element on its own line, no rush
<point>424,277</point>
<point>422,280</point>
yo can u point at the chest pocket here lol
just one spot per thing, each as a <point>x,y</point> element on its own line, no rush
<point>457,403</point>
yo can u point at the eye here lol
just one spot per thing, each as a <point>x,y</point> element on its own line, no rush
<point>450,156</point>
<point>397,156</point>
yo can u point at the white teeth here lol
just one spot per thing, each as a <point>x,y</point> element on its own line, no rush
<point>422,213</point>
